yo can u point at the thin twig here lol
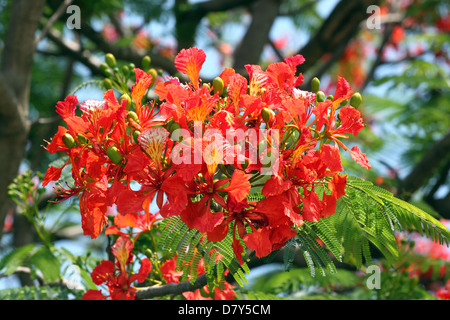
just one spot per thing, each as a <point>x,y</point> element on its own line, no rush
<point>56,15</point>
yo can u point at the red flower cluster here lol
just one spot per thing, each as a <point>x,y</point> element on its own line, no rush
<point>202,151</point>
<point>116,276</point>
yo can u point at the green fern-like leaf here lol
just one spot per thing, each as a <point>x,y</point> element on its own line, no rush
<point>190,246</point>
<point>368,214</point>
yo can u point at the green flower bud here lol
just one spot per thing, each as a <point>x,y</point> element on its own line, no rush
<point>104,68</point>
<point>330,97</point>
<point>146,62</point>
<point>136,134</point>
<point>174,126</point>
<point>218,85</point>
<point>114,154</point>
<point>355,100</point>
<point>82,139</point>
<point>320,96</point>
<point>267,114</point>
<point>128,98</point>
<point>110,60</point>
<point>125,70</point>
<point>68,140</point>
<point>154,74</point>
<point>107,83</point>
<point>315,84</point>
<point>132,115</point>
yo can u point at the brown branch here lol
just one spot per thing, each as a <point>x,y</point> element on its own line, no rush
<point>425,167</point>
<point>74,50</point>
<point>56,15</point>
<point>249,50</point>
<point>125,53</point>
<point>171,288</point>
<point>15,76</point>
<point>337,30</point>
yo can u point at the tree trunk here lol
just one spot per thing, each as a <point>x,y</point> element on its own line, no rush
<point>15,74</point>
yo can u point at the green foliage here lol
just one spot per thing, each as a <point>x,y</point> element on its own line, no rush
<point>365,223</point>
<point>190,247</point>
<point>38,293</point>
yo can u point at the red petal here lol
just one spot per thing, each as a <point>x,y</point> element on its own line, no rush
<point>343,90</point>
<point>146,267</point>
<point>53,174</point>
<point>294,61</point>
<point>239,186</point>
<point>143,81</point>
<point>121,249</point>
<point>337,185</point>
<point>102,272</point>
<point>238,249</point>
<point>275,186</point>
<point>93,295</point>
<point>331,157</point>
<point>359,157</point>
<point>219,232</point>
<point>259,241</point>
<point>67,107</point>
<point>198,215</point>
<point>351,121</point>
<point>57,144</point>
<point>125,220</point>
<point>312,207</point>
<point>190,61</point>
<point>226,74</point>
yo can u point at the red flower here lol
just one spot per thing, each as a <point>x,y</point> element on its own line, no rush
<point>116,276</point>
<point>190,61</point>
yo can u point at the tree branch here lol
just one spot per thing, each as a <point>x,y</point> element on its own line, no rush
<point>171,288</point>
<point>425,167</point>
<point>249,50</point>
<point>125,53</point>
<point>56,15</point>
<point>15,75</point>
<point>336,31</point>
<point>74,50</point>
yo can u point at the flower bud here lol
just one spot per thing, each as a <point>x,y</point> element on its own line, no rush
<point>107,83</point>
<point>104,68</point>
<point>114,154</point>
<point>320,96</point>
<point>136,134</point>
<point>125,70</point>
<point>315,84</point>
<point>132,115</point>
<point>154,74</point>
<point>173,126</point>
<point>146,62</point>
<point>218,85</point>
<point>68,140</point>
<point>110,60</point>
<point>355,100</point>
<point>128,98</point>
<point>82,139</point>
<point>267,114</point>
<point>330,97</point>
